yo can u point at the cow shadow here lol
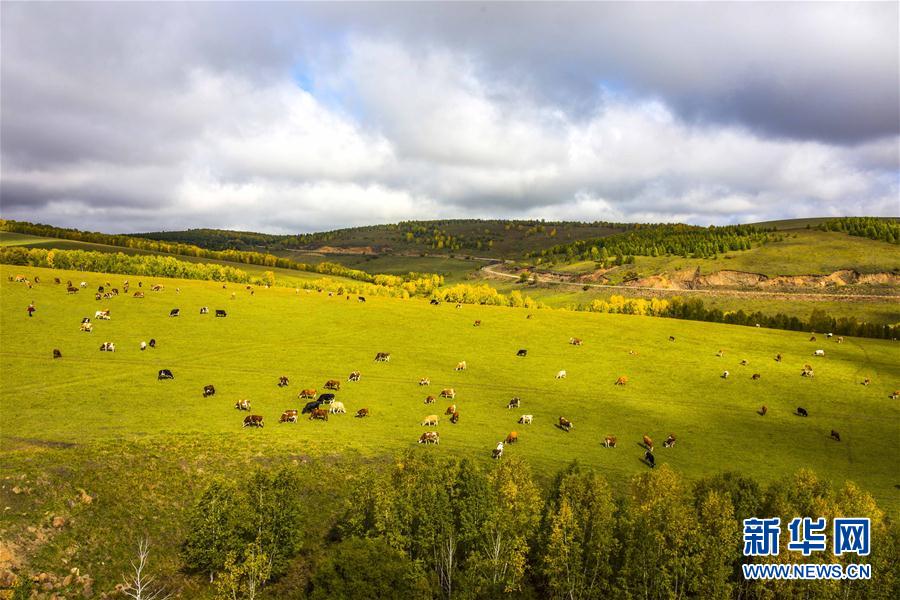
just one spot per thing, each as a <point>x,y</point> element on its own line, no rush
<point>561,428</point>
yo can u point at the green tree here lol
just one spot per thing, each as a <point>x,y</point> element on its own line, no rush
<point>213,529</point>
<point>244,579</point>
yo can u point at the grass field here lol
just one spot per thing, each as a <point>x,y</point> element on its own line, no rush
<point>89,396</point>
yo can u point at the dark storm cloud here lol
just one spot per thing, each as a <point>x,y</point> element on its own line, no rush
<point>312,116</point>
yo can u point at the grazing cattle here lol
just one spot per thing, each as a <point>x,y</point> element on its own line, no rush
<point>514,403</point>
<point>763,410</point>
<point>86,320</point>
<point>143,346</point>
<point>152,343</point>
<point>283,381</point>
<point>209,390</point>
<point>561,374</point>
<point>326,398</point>
<point>165,374</point>
<point>354,376</point>
<point>363,412</point>
<point>461,366</point>
<point>318,413</point>
<point>309,393</point>
<point>801,412</point>
<point>430,437</point>
<point>98,296</point>
<point>450,409</point>
<point>840,339</point>
<point>522,352</point>
<point>57,354</point>
<point>744,363</point>
<point>835,435</point>
<point>671,338</point>
<point>526,419</point>
<point>895,395</point>
<point>221,313</point>
<point>242,405</point>
<point>610,441</point>
<point>819,353</point>
<point>807,371</point>
<point>458,305</point>
<point>755,376</point>
<point>648,443</point>
<point>435,301</point>
<point>565,424</point>
<point>71,290</point>
<point>724,374</point>
<point>204,310</point>
<point>107,347</point>
<point>650,459</point>
<point>360,299</point>
<point>174,312</point>
<point>430,420</point>
<point>477,323</point>
<point>622,380</point>
<point>333,384</point>
<point>498,451</point>
<point>139,294</point>
<point>311,406</point>
<point>87,327</point>
<point>338,408</point>
<point>156,288</point>
<point>253,421</point>
<point>632,353</point>
<point>448,393</point>
<point>103,315</point>
<point>828,335</point>
<point>812,338</point>
<point>454,418</point>
<point>383,357</point>
<point>778,358</point>
<point>84,284</point>
<point>512,438</point>
<point>429,400</point>
<point>529,316</point>
<point>56,280</point>
<point>670,441</point>
<point>720,353</point>
<point>289,416</point>
<point>576,341</point>
<point>425,381</point>
<point>101,289</point>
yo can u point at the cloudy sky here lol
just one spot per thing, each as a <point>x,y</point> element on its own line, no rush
<point>302,117</point>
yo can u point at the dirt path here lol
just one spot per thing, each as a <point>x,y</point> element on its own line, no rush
<point>489,269</point>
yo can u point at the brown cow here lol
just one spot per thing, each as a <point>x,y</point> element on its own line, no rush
<point>319,413</point>
<point>812,338</point>
<point>450,409</point>
<point>835,435</point>
<point>308,393</point>
<point>333,384</point>
<point>430,437</point>
<point>648,443</point>
<point>354,376</point>
<point>512,438</point>
<point>139,294</point>
<point>670,441</point>
<point>71,290</point>
<point>289,416</point>
<point>745,362</point>
<point>429,400</point>
<point>283,381</point>
<point>454,418</point>
<point>57,353</point>
<point>448,393</point>
<point>363,412</point>
<point>424,381</point>
<point>565,424</point>
<point>478,323</point>
<point>208,390</point>
<point>866,381</point>
<point>763,410</point>
<point>610,441</point>
<point>755,376</point>
<point>242,405</point>
<point>576,341</point>
<point>253,421</point>
<point>622,380</point>
<point>778,358</point>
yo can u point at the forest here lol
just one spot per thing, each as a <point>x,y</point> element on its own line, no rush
<point>885,230</point>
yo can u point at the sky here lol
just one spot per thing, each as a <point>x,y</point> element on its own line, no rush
<point>296,117</point>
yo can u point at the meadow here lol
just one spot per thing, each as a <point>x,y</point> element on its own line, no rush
<point>89,396</point>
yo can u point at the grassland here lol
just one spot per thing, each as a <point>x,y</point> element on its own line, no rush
<point>673,387</point>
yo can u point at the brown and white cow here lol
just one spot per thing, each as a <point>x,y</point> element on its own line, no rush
<point>430,400</point>
<point>425,381</point>
<point>383,357</point>
<point>755,376</point>
<point>333,384</point>
<point>209,390</point>
<point>670,441</point>
<point>308,393</point>
<point>610,441</point>
<point>835,435</point>
<point>283,381</point>
<point>87,327</point>
<point>354,376</point>
<point>448,393</point>
<point>461,366</point>
<point>319,413</point>
<point>648,443</point>
<point>763,410</point>
<point>253,421</point>
<point>289,416</point>
<point>565,424</point>
<point>478,323</point>
<point>450,409</point>
<point>242,405</point>
<point>622,380</point>
<point>430,420</point>
<point>454,418</point>
<point>576,341</point>
<point>430,437</point>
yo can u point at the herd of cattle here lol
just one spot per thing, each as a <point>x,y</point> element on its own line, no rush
<point>320,406</point>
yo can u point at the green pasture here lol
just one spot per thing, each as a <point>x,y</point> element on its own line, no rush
<point>454,270</point>
<point>90,396</point>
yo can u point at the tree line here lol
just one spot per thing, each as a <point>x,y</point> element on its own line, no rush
<point>677,239</point>
<point>874,228</point>
<point>437,527</point>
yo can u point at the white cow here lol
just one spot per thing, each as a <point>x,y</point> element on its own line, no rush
<point>84,284</point>
<point>143,345</point>
<point>461,366</point>
<point>526,419</point>
<point>724,374</point>
<point>819,353</point>
<point>561,375</point>
<point>338,407</point>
